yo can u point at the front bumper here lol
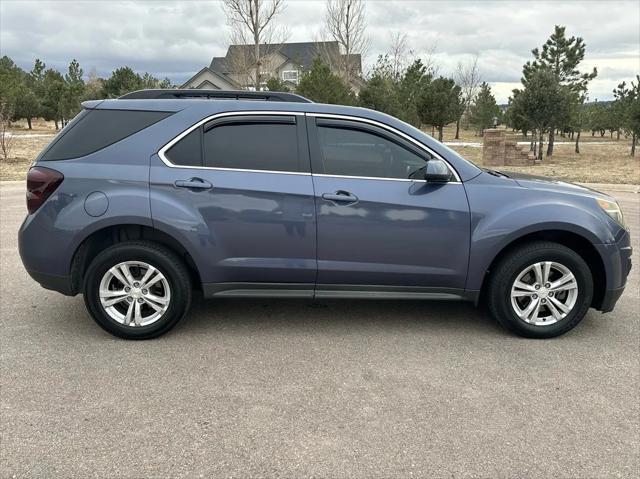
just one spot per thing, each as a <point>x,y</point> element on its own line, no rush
<point>617,259</point>
<point>611,297</point>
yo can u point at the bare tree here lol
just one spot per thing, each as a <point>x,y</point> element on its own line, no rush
<point>428,60</point>
<point>253,23</point>
<point>468,79</point>
<point>325,51</point>
<point>398,53</point>
<point>6,138</point>
<point>346,23</point>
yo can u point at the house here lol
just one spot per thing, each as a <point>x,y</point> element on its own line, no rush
<point>286,61</point>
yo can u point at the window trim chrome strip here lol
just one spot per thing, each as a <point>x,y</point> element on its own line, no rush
<point>166,147</point>
<point>407,180</point>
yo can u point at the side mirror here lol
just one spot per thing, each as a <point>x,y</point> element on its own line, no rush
<point>437,171</point>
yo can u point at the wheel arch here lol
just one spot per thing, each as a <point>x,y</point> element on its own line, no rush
<point>574,241</point>
<point>107,236</point>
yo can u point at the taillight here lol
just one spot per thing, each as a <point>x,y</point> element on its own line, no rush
<point>41,182</point>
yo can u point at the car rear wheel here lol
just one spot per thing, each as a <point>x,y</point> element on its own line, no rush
<point>540,290</point>
<point>137,290</point>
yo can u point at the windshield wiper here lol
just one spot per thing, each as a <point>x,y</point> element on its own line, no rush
<point>496,173</point>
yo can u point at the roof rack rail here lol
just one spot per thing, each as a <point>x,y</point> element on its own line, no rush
<point>159,94</point>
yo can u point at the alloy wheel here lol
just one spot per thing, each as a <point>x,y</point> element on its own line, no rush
<point>134,293</point>
<point>544,293</point>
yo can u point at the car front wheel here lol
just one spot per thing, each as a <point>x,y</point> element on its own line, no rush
<point>540,290</point>
<point>137,290</point>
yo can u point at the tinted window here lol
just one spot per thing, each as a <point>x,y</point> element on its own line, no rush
<point>252,146</point>
<point>187,151</point>
<point>97,129</point>
<point>351,152</point>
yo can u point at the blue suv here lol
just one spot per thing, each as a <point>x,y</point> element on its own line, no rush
<point>141,200</point>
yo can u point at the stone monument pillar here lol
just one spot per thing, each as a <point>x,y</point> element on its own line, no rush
<point>499,151</point>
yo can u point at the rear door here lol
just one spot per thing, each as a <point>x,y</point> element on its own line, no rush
<point>237,187</point>
<point>379,223</point>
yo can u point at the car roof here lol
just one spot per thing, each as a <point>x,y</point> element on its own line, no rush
<point>224,105</point>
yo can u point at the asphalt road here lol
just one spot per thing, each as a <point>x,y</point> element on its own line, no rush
<point>286,388</point>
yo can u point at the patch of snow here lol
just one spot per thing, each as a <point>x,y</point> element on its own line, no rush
<point>29,135</point>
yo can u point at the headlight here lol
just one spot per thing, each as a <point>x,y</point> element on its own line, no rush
<point>612,209</point>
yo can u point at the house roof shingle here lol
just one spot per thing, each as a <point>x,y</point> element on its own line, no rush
<point>302,53</point>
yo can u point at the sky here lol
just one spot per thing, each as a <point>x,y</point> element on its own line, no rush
<point>176,39</point>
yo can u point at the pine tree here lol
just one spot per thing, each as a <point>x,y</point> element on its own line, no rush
<point>26,104</point>
<point>321,85</point>
<point>122,80</point>
<point>439,103</point>
<point>544,103</point>
<point>74,90</point>
<point>381,91</point>
<point>627,105</point>
<point>165,83</point>
<point>484,109</point>
<point>10,78</point>
<point>415,79</point>
<point>54,90</point>
<point>276,84</point>
<point>561,56</point>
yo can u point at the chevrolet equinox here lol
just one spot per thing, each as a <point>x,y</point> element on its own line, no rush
<point>143,199</point>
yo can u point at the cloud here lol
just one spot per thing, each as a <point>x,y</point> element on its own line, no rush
<point>176,39</point>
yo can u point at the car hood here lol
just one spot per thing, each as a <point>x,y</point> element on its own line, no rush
<point>549,184</point>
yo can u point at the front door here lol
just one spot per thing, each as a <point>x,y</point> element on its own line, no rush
<point>237,188</point>
<point>378,223</point>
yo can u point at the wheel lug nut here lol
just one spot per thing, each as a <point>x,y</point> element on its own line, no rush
<point>145,291</point>
<point>544,301</point>
<point>135,285</point>
<point>535,296</point>
<point>129,298</point>
<point>127,289</point>
<point>537,286</point>
<point>547,285</point>
<point>551,295</point>
<point>140,300</point>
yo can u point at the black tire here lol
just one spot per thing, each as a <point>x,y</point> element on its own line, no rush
<point>504,274</point>
<point>160,258</point>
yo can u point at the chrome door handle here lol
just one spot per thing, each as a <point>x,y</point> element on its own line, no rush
<point>340,197</point>
<point>194,184</point>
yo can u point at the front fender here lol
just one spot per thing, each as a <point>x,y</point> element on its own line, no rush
<point>496,223</point>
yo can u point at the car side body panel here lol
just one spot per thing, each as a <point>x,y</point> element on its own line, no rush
<point>397,233</point>
<point>64,221</point>
<point>249,227</point>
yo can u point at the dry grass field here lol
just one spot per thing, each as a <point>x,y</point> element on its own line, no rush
<point>602,159</point>
<point>609,163</point>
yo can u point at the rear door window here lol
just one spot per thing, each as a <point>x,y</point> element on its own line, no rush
<point>254,143</point>
<point>97,129</point>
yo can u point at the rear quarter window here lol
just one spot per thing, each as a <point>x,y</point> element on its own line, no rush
<point>97,129</point>
<point>187,151</point>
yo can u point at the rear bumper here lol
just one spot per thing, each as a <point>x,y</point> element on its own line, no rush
<point>61,284</point>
